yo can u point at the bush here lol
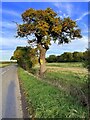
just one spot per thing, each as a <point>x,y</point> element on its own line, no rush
<point>24,58</point>
<point>52,58</point>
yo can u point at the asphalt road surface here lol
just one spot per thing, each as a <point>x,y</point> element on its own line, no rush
<point>11,97</point>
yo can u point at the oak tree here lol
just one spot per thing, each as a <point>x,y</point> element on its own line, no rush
<point>45,26</point>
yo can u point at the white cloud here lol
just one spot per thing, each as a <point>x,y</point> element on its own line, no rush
<point>8,28</point>
<point>6,54</point>
<point>12,43</point>
<point>84,28</point>
<point>10,12</point>
<point>67,7</point>
<point>82,16</point>
<point>8,46</point>
<point>75,45</point>
<point>9,25</point>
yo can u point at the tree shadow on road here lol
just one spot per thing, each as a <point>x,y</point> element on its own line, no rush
<point>10,108</point>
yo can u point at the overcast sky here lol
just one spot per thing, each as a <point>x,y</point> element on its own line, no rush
<point>11,11</point>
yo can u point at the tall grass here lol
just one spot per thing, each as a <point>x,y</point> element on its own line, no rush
<point>48,101</point>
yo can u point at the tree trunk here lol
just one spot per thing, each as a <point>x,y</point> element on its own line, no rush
<point>42,61</point>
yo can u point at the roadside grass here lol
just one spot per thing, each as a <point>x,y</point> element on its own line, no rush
<point>48,101</point>
<point>70,78</point>
<point>72,82</point>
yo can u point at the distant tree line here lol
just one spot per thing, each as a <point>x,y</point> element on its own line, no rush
<point>26,57</point>
<point>68,57</point>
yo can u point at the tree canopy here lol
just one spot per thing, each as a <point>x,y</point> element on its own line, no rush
<point>44,26</point>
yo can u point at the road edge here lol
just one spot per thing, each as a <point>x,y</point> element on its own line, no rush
<point>23,99</point>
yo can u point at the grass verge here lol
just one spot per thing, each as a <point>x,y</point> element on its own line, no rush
<point>46,101</point>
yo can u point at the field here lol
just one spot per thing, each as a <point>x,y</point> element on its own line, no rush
<point>62,93</point>
<point>4,64</point>
<point>67,73</point>
<point>68,64</point>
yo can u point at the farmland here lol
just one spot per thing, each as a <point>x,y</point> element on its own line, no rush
<point>59,93</point>
<point>4,64</point>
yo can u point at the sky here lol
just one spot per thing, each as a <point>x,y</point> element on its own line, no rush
<point>11,11</point>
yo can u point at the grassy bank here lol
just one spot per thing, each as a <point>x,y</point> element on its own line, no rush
<point>48,101</point>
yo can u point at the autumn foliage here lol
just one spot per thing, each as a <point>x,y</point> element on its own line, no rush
<point>26,57</point>
<point>45,26</point>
